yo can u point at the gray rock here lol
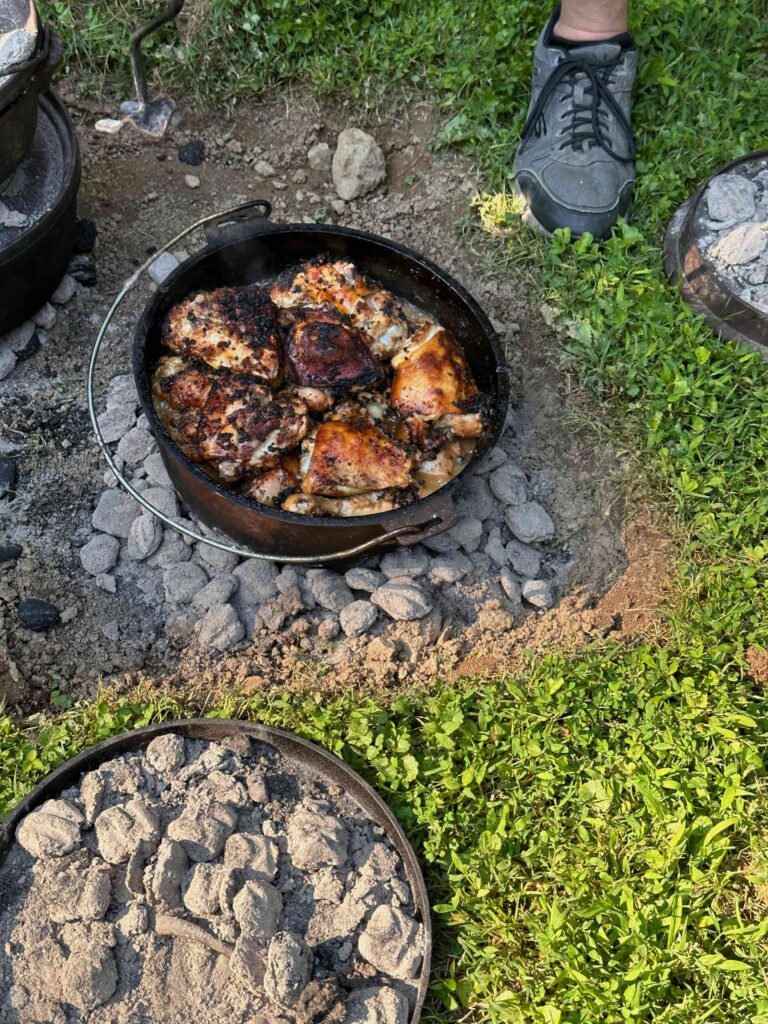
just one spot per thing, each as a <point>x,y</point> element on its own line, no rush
<point>263,169</point>
<point>475,499</point>
<point>114,513</point>
<point>411,563</point>
<point>357,618</point>
<point>289,968</point>
<point>364,579</point>
<point>257,908</point>
<point>319,156</point>
<point>218,559</point>
<point>200,890</point>
<point>731,198</point>
<point>166,753</point>
<point>122,391</point>
<point>493,458</point>
<point>467,533</point>
<point>182,581</point>
<point>172,550</point>
<point>156,472</point>
<point>508,483</point>
<point>144,537</point>
<point>121,829</point>
<point>530,523</point>
<point>104,581</point>
<point>510,584</point>
<point>66,289</point>
<point>163,499</point>
<point>53,830</point>
<point>449,568</point>
<point>741,245</point>
<point>8,362</point>
<point>257,584</point>
<point>316,839</point>
<point>215,593</point>
<point>329,589</point>
<point>116,421</point>
<point>403,601</point>
<point>99,554</point>
<point>254,857</point>
<point>539,593</point>
<point>135,446</point>
<point>221,628</point>
<point>162,267</point>
<point>358,164</point>
<point>45,317</point>
<point>393,943</point>
<point>329,628</point>
<point>288,580</point>
<point>170,870</point>
<point>89,977</point>
<point>524,560</point>
<point>203,828</point>
<point>18,339</point>
<point>494,547</point>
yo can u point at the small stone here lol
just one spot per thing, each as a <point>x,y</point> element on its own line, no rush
<point>411,563</point>
<point>164,500</point>
<point>108,126</point>
<point>393,943</point>
<point>144,536</point>
<point>66,289</point>
<point>289,969</point>
<point>192,153</point>
<point>172,550</point>
<point>402,601</point>
<point>467,533</point>
<point>524,560</point>
<point>263,169</point>
<point>135,446</point>
<point>539,593</point>
<point>9,552</point>
<point>329,628</point>
<point>191,181</point>
<point>510,585</point>
<point>182,581</point>
<point>741,245</point>
<point>85,236</point>
<point>508,483</point>
<point>494,547</point>
<point>449,568</point>
<point>203,828</point>
<point>170,870</point>
<point>319,156</point>
<point>530,523</point>
<point>89,977</point>
<point>329,589</point>
<point>166,753</point>
<point>200,890</point>
<point>364,579</point>
<point>8,476</point>
<point>156,472</point>
<point>116,421</point>
<point>217,592</point>
<point>731,198</point>
<point>18,339</point>
<point>99,554</point>
<point>162,267</point>
<point>235,146</point>
<point>38,615</point>
<point>8,360</point>
<point>218,559</point>
<point>358,164</point>
<point>221,628</point>
<point>122,391</point>
<point>45,317</point>
<point>257,584</point>
<point>357,618</point>
<point>53,830</point>
<point>338,206</point>
<point>114,513</point>
<point>257,908</point>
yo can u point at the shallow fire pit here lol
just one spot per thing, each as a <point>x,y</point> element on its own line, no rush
<point>223,870</point>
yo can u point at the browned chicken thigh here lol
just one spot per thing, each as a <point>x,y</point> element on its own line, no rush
<point>230,329</point>
<point>325,351</point>
<point>271,486</point>
<point>348,454</point>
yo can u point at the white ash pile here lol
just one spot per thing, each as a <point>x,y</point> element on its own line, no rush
<point>207,882</point>
<point>736,235</point>
<point>501,556</point>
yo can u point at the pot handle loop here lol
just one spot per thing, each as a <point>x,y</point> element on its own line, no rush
<point>399,535</point>
<point>239,224</point>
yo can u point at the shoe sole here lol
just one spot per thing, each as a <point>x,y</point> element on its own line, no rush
<point>528,218</point>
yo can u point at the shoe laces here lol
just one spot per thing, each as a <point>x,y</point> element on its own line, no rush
<point>589,115</point>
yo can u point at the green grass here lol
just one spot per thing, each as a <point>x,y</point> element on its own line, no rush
<point>595,830</point>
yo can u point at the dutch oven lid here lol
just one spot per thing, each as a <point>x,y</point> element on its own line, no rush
<point>19,30</point>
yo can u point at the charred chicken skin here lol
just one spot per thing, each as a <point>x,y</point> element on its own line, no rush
<point>324,351</point>
<point>321,396</point>
<point>229,329</point>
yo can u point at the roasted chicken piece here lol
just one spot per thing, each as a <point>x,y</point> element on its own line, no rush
<point>339,285</point>
<point>433,385</point>
<point>326,351</point>
<point>226,420</point>
<point>316,399</point>
<point>229,329</point>
<point>272,486</point>
<point>348,454</point>
<point>359,505</point>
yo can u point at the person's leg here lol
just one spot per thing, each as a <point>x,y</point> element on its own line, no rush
<point>575,164</point>
<point>589,20</point>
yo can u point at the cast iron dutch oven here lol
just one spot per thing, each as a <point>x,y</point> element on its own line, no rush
<point>244,246</point>
<point>333,770</point>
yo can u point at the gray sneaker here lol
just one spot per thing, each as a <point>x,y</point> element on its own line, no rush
<point>575,164</point>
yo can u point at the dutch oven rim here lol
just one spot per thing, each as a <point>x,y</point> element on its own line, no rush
<point>262,228</point>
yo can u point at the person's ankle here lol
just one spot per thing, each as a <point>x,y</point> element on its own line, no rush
<point>587,33</point>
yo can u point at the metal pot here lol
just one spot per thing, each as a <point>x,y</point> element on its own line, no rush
<point>245,246</point>
<point>333,770</point>
<point>19,92</point>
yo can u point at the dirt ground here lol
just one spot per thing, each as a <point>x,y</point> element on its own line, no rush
<point>135,191</point>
